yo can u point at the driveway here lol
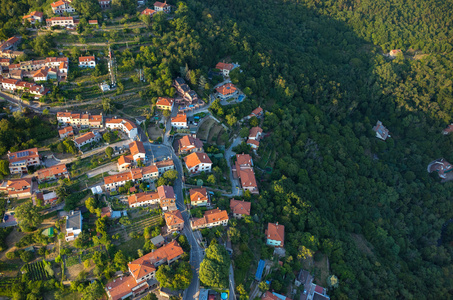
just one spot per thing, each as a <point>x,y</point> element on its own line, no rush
<point>236,189</point>
<point>105,168</point>
<point>196,252</point>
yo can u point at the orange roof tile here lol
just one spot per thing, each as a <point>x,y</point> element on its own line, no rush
<point>148,12</point>
<point>276,232</point>
<point>254,131</point>
<point>257,111</point>
<point>173,217</point>
<point>243,159</point>
<point>226,89</point>
<point>247,177</point>
<point>224,66</point>
<point>137,147</point>
<point>142,197</point>
<point>124,160</point>
<point>165,101</point>
<point>58,3</point>
<point>187,142</point>
<point>211,216</point>
<point>52,171</point>
<point>23,155</point>
<point>240,207</point>
<point>86,58</point>
<point>198,194</point>
<point>180,118</point>
<point>196,158</point>
<point>83,138</point>
<point>253,142</point>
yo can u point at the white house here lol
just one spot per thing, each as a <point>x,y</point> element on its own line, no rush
<point>86,138</point>
<point>198,162</point>
<point>124,125</point>
<point>224,68</point>
<point>34,16</point>
<point>62,6</point>
<point>87,61</point>
<point>180,121</point>
<point>73,225</point>
<point>159,6</point>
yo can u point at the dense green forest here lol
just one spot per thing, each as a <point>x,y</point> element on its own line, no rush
<point>318,68</point>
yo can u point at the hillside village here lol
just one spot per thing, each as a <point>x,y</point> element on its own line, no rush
<point>136,164</point>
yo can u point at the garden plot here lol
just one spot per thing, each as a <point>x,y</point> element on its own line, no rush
<point>203,130</point>
<point>214,133</point>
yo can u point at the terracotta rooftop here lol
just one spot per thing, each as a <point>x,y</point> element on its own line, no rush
<point>173,217</point>
<point>211,216</point>
<point>247,178</point>
<point>137,147</point>
<point>240,207</point>
<point>124,160</point>
<point>180,118</point>
<point>224,66</point>
<point>142,197</point>
<point>166,192</point>
<point>83,138</point>
<point>148,12</point>
<point>254,131</point>
<point>58,3</point>
<point>253,142</point>
<point>226,89</point>
<point>257,111</point>
<point>244,159</point>
<point>23,155</point>
<point>198,194</point>
<point>51,171</point>
<point>276,232</point>
<point>165,101</point>
<point>188,142</point>
<point>86,58</point>
<point>196,158</point>
<point>160,4</point>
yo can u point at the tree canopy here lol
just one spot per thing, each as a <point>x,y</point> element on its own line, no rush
<point>214,269</point>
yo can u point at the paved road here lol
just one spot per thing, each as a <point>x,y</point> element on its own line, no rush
<point>95,151</point>
<point>105,168</point>
<point>232,286</point>
<point>196,252</point>
<point>235,186</point>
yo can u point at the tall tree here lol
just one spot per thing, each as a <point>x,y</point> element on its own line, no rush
<point>27,216</point>
<point>214,269</point>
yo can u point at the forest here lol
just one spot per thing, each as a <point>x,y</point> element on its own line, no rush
<point>318,69</point>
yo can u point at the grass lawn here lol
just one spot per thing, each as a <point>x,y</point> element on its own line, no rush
<point>130,247</point>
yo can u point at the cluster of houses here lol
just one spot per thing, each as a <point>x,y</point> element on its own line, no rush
<point>87,120</point>
<point>19,163</point>
<point>243,170</point>
<point>8,48</point>
<point>158,7</point>
<point>39,70</point>
<point>187,98</point>
<point>143,271</point>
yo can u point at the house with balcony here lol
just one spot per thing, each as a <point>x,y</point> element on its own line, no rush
<point>20,188</point>
<point>138,151</point>
<point>226,91</point>
<point>142,271</point>
<point>159,6</point>
<point>73,225</point>
<point>224,68</point>
<point>198,162</point>
<point>62,6</point>
<point>34,17</point>
<point>147,173</point>
<point>275,235</point>
<point>66,132</point>
<point>189,144</point>
<point>86,138</point>
<point>52,173</point>
<point>165,103</point>
<point>87,61</point>
<point>239,208</point>
<point>174,220</point>
<point>167,197</point>
<point>211,218</point>
<point>199,197</point>
<point>20,161</point>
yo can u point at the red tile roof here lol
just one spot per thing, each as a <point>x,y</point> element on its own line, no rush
<point>254,131</point>
<point>243,159</point>
<point>120,287</point>
<point>224,66</point>
<point>23,155</point>
<point>86,58</point>
<point>166,192</point>
<point>240,207</point>
<point>180,118</point>
<point>195,158</point>
<point>160,4</point>
<point>142,197</point>
<point>247,178</point>
<point>276,232</point>
<point>226,89</point>
<point>52,171</point>
<point>257,111</point>
<point>187,142</point>
<point>58,3</point>
<point>124,160</point>
<point>148,12</point>
<point>136,147</point>
<point>173,217</point>
<point>211,216</point>
<point>85,137</point>
<point>165,101</point>
<point>253,142</point>
<point>198,194</point>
